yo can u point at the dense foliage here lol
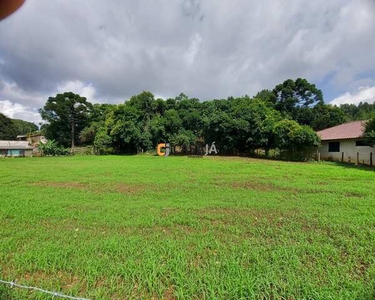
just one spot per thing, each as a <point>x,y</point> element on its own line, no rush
<point>67,115</point>
<point>10,128</point>
<point>362,111</point>
<point>284,119</point>
<point>370,132</point>
<point>51,148</point>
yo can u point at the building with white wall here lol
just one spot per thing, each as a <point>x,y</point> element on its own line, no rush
<point>345,143</point>
<point>15,149</point>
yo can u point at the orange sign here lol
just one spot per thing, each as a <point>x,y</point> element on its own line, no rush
<point>166,147</point>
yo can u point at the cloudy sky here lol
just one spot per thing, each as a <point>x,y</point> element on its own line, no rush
<point>111,50</point>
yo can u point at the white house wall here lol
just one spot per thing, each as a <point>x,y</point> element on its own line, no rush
<point>350,152</point>
<point>16,153</point>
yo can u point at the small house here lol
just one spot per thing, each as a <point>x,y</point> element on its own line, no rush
<point>345,143</point>
<point>15,149</point>
<point>33,139</point>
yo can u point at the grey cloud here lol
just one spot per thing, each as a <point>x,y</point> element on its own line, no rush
<point>206,49</point>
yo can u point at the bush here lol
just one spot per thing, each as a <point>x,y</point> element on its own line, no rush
<point>50,148</point>
<point>296,142</point>
<point>103,143</point>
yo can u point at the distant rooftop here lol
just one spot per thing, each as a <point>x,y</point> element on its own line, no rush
<point>15,145</point>
<point>351,130</point>
<point>29,135</point>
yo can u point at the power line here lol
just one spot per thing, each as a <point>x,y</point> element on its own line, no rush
<point>56,294</point>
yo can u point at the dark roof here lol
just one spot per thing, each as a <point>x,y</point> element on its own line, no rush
<point>15,145</point>
<point>351,130</point>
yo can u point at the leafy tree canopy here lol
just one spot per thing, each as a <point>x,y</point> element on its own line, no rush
<point>10,128</point>
<point>283,118</point>
<point>67,114</point>
<point>370,132</point>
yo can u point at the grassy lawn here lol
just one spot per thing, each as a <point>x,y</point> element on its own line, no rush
<point>142,227</point>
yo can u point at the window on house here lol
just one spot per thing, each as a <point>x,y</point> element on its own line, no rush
<point>360,143</point>
<point>334,147</point>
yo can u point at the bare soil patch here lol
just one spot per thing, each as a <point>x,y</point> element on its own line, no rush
<point>123,188</point>
<point>262,187</point>
<point>73,185</point>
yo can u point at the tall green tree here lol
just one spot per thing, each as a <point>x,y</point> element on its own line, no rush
<point>369,133</point>
<point>96,122</point>
<point>67,114</point>
<point>295,98</point>
<point>324,116</point>
<point>260,119</point>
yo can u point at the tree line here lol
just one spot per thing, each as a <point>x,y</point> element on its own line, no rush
<point>10,128</point>
<point>282,120</point>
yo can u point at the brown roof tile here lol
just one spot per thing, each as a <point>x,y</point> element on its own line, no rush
<point>351,130</point>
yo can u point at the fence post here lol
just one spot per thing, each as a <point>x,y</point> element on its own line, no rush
<point>357,162</point>
<point>371,159</point>
<point>342,157</point>
<point>318,156</point>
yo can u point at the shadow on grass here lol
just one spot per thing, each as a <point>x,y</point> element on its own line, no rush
<point>353,166</point>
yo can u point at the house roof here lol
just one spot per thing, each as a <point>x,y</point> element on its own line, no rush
<point>15,145</point>
<point>351,130</point>
<point>29,135</point>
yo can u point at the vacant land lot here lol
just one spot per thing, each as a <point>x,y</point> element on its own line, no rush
<point>119,227</point>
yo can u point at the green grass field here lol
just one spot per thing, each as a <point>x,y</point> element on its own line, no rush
<point>147,227</point>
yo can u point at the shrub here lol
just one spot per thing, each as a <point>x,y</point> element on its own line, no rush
<point>50,148</point>
<point>296,142</point>
<point>103,143</point>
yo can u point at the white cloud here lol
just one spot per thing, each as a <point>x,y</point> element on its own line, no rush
<point>20,104</point>
<point>193,50</point>
<point>364,94</point>
<point>19,111</point>
<point>80,88</point>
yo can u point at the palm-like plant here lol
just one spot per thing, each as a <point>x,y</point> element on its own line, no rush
<point>48,148</point>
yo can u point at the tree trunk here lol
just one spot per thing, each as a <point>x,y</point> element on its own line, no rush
<point>72,125</point>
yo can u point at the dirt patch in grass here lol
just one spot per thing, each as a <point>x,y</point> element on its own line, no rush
<point>169,294</point>
<point>262,187</point>
<point>227,219</point>
<point>361,268</point>
<point>165,230</point>
<point>129,189</point>
<point>168,211</point>
<point>230,215</point>
<point>322,183</point>
<point>354,194</point>
<point>73,185</point>
<point>335,192</point>
<point>122,188</point>
<point>243,159</point>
